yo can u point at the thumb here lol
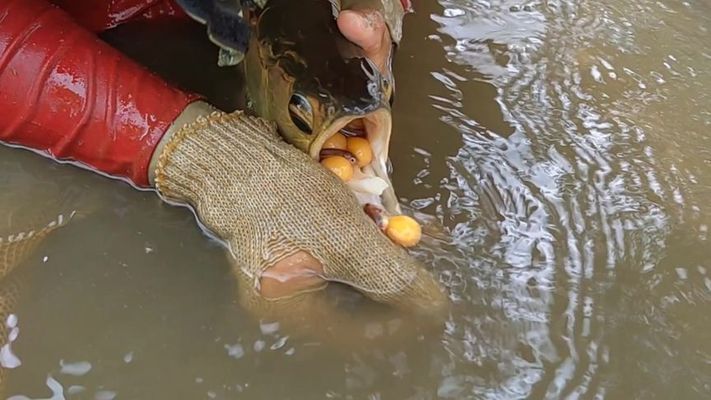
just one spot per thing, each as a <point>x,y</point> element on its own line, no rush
<point>367,29</point>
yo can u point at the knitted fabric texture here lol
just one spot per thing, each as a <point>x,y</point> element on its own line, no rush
<point>267,200</point>
<point>15,248</point>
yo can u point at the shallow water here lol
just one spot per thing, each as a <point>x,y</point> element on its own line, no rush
<point>564,147</point>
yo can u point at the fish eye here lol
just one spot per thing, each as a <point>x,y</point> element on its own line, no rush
<point>301,113</point>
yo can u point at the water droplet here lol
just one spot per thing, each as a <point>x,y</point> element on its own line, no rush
<point>105,395</point>
<point>79,368</point>
<point>235,351</point>
<point>279,343</point>
<point>453,12</point>
<point>8,359</point>
<point>259,345</point>
<point>269,328</point>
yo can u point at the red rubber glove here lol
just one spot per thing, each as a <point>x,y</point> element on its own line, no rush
<point>66,93</point>
<point>99,15</point>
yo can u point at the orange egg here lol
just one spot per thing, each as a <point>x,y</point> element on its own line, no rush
<point>337,141</point>
<point>404,230</point>
<point>339,166</point>
<point>360,148</point>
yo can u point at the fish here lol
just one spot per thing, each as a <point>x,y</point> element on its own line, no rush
<point>303,74</point>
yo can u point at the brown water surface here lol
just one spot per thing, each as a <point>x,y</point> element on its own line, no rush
<point>564,147</point>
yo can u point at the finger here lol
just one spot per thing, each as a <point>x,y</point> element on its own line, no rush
<point>367,29</point>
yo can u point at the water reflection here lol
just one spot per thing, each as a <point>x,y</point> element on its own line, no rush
<point>559,151</point>
<point>573,196</point>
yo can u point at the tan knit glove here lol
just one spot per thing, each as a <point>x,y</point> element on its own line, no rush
<point>267,200</point>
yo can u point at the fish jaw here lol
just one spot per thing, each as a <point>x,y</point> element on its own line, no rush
<point>370,184</point>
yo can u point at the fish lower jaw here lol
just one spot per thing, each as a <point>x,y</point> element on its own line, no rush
<point>369,188</point>
<point>370,183</point>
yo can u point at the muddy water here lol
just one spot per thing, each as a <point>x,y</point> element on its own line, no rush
<point>563,146</point>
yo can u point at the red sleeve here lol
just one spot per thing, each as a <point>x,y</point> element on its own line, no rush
<point>68,94</point>
<point>100,15</point>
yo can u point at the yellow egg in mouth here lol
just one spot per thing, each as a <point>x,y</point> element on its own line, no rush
<point>337,141</point>
<point>361,150</point>
<point>339,166</point>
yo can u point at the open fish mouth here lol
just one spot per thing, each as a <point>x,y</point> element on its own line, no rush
<point>316,84</point>
<point>370,183</point>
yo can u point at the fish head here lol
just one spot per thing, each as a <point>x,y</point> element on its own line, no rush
<point>302,73</point>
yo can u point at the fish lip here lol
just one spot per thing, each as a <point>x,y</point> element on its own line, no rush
<point>378,126</point>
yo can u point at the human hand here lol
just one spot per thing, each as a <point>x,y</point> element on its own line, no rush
<point>291,226</point>
<point>374,25</point>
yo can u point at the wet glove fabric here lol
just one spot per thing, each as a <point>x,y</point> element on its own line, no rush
<point>28,216</point>
<point>267,200</point>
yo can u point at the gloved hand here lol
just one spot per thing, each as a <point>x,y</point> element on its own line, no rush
<point>291,226</point>
<point>279,211</point>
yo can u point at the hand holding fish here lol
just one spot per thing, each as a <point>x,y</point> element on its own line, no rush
<point>291,226</point>
<point>367,29</point>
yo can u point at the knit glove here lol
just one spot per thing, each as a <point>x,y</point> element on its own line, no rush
<point>269,201</point>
